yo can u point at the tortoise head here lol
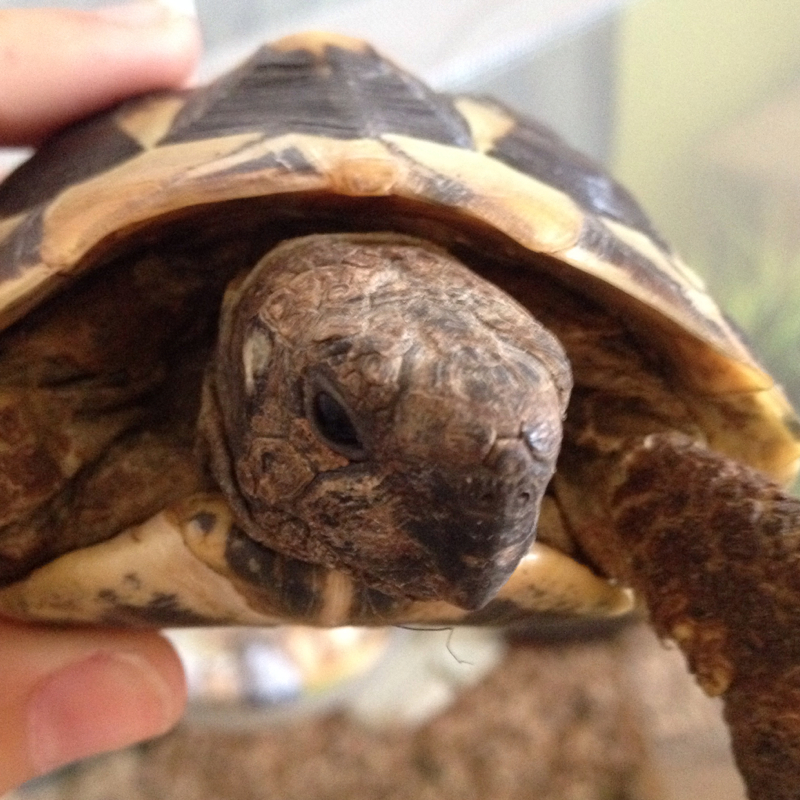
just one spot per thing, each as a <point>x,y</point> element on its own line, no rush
<point>377,408</point>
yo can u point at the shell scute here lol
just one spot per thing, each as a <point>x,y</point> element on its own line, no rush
<point>343,95</point>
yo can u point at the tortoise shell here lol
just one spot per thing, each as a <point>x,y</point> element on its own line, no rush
<point>318,133</point>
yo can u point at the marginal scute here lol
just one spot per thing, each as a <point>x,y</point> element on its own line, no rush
<point>141,189</point>
<point>536,215</point>
<point>663,258</point>
<point>624,259</point>
<point>361,168</point>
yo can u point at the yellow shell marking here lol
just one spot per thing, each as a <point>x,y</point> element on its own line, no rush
<point>143,188</point>
<point>533,213</point>
<point>149,120</point>
<point>316,42</point>
<point>673,265</point>
<point>486,123</point>
<point>337,600</point>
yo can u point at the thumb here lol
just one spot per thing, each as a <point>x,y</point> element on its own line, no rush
<point>68,694</point>
<point>58,65</point>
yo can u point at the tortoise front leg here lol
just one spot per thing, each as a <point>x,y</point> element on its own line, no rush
<point>714,550</point>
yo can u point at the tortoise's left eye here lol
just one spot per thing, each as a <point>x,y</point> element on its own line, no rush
<point>333,423</point>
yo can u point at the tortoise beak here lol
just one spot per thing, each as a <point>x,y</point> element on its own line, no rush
<point>480,557</point>
<point>477,524</point>
<point>474,580</point>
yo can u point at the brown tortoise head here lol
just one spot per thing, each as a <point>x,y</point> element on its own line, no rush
<point>374,409</point>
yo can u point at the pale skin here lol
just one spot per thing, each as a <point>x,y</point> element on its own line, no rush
<point>68,694</point>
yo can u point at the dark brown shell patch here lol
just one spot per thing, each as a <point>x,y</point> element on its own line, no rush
<point>347,96</point>
<point>536,150</point>
<point>290,160</point>
<point>80,152</point>
<point>161,610</point>
<point>20,248</point>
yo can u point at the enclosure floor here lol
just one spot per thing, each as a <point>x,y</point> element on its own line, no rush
<point>608,720</point>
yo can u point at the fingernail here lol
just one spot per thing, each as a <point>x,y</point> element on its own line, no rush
<point>143,13</point>
<point>102,703</point>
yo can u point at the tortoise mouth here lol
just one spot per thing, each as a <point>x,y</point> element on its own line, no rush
<point>478,522</point>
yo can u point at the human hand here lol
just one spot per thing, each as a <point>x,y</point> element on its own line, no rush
<point>69,693</point>
<point>58,65</point>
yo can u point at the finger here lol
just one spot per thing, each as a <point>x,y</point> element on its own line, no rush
<point>57,65</point>
<point>68,694</point>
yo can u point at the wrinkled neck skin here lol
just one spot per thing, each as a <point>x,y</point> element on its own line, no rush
<point>375,407</point>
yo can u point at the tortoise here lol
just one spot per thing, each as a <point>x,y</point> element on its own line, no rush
<point>315,344</point>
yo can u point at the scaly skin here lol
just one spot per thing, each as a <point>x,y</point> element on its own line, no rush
<point>717,561</point>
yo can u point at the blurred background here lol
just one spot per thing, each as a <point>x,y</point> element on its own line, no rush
<point>695,106</point>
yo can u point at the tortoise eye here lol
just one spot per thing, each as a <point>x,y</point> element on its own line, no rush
<point>333,423</point>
